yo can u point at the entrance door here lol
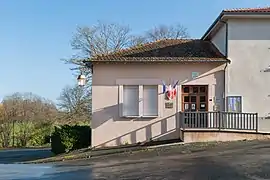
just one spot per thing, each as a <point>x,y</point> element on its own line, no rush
<point>195,99</point>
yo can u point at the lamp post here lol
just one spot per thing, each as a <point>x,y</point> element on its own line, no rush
<point>266,69</point>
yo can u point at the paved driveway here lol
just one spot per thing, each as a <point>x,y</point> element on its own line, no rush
<point>238,160</point>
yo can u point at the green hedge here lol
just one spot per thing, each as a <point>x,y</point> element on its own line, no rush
<point>67,138</point>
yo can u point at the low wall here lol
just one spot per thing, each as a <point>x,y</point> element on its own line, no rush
<point>197,135</point>
<point>264,125</point>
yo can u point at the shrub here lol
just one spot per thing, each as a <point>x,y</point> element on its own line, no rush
<point>41,135</point>
<point>67,138</point>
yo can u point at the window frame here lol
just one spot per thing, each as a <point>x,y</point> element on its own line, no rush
<point>141,105</point>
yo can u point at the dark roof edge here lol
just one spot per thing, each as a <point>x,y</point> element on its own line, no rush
<point>212,26</point>
<point>159,61</point>
<point>217,20</point>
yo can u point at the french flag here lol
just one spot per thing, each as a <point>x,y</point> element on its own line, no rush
<point>173,91</point>
<point>164,88</point>
<point>176,83</point>
<point>169,90</point>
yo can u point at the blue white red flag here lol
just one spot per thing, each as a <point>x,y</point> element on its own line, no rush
<point>176,83</point>
<point>164,88</point>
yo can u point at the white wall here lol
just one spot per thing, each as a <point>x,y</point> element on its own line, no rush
<point>249,52</point>
<point>219,40</point>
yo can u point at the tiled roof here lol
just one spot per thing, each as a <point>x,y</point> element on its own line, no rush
<point>167,50</point>
<point>252,10</point>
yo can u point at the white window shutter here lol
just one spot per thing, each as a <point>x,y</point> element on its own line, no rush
<point>130,100</point>
<point>150,100</point>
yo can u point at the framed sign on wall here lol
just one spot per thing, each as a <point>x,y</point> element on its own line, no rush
<point>234,103</point>
<point>194,75</point>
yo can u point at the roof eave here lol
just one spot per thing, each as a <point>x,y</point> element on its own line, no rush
<point>162,61</point>
<point>209,30</point>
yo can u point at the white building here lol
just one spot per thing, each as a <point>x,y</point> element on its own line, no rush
<point>243,36</point>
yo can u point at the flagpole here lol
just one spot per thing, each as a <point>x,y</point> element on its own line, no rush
<point>178,113</point>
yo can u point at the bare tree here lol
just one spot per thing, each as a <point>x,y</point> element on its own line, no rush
<point>101,38</point>
<point>76,104</point>
<point>166,32</point>
<point>138,40</point>
<point>29,111</point>
<point>104,38</point>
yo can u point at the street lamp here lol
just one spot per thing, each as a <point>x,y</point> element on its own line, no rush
<point>81,80</point>
<point>266,69</point>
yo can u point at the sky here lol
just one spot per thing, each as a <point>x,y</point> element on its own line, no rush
<point>35,34</point>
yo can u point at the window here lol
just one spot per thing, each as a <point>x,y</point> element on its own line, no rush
<point>195,89</point>
<point>186,89</point>
<point>150,101</point>
<point>130,100</point>
<point>193,99</point>
<point>234,103</point>
<point>140,100</point>
<point>186,98</point>
<point>202,89</point>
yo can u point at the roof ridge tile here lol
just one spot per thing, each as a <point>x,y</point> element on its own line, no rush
<point>257,9</point>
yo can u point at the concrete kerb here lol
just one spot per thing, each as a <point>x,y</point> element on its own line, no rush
<point>166,145</point>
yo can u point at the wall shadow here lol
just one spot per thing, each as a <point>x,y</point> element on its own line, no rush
<point>219,91</point>
<point>105,114</point>
<point>164,134</point>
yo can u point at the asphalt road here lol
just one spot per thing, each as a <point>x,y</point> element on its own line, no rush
<point>20,155</point>
<point>242,160</point>
<point>238,160</point>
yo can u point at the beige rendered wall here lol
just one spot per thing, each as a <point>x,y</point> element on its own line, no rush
<point>109,129</point>
<point>219,40</point>
<point>248,50</point>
